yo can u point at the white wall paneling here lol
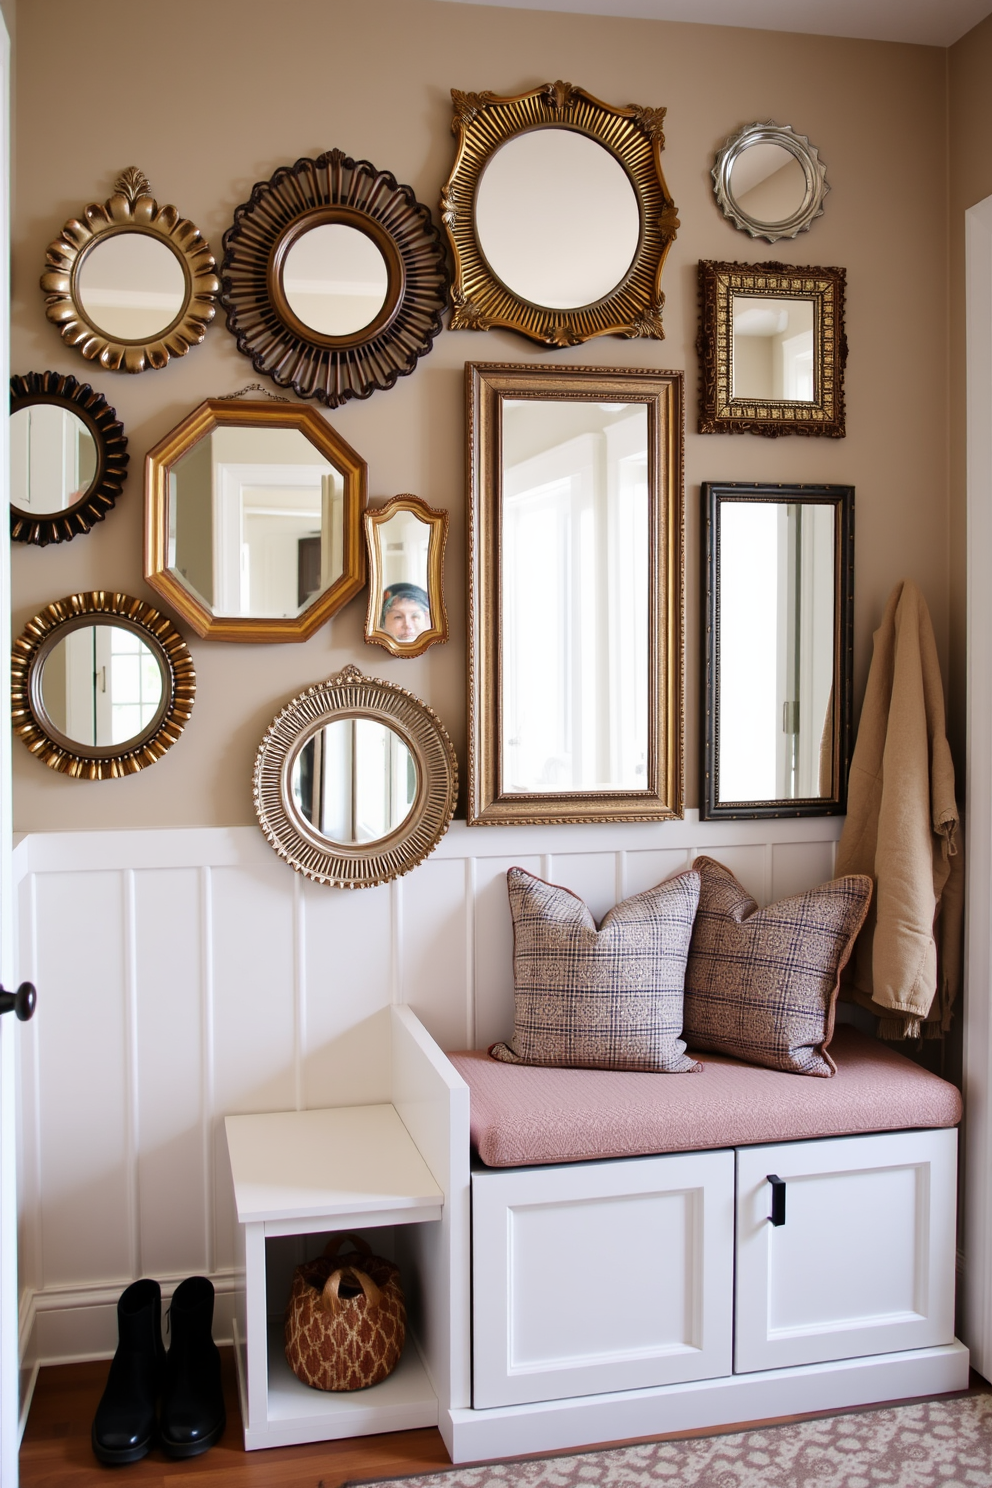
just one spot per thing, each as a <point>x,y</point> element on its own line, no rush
<point>187,975</point>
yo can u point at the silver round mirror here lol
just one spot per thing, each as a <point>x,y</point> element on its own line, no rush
<point>557,218</point>
<point>335,279</point>
<point>131,286</point>
<point>355,781</point>
<point>770,181</point>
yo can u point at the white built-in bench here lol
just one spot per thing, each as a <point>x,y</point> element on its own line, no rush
<point>623,1276</point>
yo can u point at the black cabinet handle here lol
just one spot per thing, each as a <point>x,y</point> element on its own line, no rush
<point>22,1002</point>
<point>777,1215</point>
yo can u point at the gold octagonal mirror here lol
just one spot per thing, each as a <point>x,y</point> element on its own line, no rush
<point>253,520</point>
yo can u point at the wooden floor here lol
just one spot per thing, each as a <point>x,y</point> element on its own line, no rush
<point>56,1451</point>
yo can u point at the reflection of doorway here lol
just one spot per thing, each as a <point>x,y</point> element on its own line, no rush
<point>307,569</point>
<point>262,512</point>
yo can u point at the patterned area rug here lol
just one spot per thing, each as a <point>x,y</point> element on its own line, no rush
<point>935,1444</point>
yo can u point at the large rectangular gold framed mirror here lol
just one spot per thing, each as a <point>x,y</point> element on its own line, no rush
<point>771,350</point>
<point>779,626</point>
<point>575,594</point>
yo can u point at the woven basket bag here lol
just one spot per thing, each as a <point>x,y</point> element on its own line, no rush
<point>346,1319</point>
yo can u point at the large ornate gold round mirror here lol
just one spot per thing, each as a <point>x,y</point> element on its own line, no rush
<point>558,215</point>
<point>253,516</point>
<point>102,685</point>
<point>355,781</point>
<point>334,278</point>
<point>68,457</point>
<point>130,284</point>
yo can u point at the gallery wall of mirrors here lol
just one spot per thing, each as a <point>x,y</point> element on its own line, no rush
<point>558,220</point>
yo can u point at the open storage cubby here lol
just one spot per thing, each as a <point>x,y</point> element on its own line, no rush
<point>298,1176</point>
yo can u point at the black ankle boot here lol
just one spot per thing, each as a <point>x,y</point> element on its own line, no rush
<point>124,1424</point>
<point>192,1415</point>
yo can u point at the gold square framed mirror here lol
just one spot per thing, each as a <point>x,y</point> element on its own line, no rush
<point>771,349</point>
<point>779,627</point>
<point>575,594</point>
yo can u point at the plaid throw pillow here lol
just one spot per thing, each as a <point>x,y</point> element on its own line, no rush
<point>599,999</point>
<point>761,984</point>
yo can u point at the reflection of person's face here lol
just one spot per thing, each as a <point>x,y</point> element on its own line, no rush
<point>405,619</point>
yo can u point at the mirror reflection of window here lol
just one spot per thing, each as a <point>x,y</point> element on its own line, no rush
<point>768,183</point>
<point>131,286</point>
<point>52,458</point>
<point>574,620</point>
<point>776,609</point>
<point>256,521</point>
<point>101,685</point>
<point>355,781</point>
<point>773,349</point>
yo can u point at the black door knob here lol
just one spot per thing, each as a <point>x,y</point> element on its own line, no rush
<point>21,1002</point>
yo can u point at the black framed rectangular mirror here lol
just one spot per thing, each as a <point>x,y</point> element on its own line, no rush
<point>575,594</point>
<point>779,627</point>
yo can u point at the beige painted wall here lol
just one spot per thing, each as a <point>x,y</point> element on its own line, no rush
<point>970,130</point>
<point>208,99</point>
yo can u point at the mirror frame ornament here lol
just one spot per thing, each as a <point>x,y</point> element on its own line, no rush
<point>719,411</point>
<point>438,523</point>
<point>333,189</point>
<point>107,433</point>
<point>842,499</point>
<point>799,147</point>
<point>635,137</point>
<point>132,208</point>
<point>220,413</point>
<point>349,694</point>
<point>486,386</point>
<point>35,729</point>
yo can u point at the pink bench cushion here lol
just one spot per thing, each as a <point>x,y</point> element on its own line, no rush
<point>523,1115</point>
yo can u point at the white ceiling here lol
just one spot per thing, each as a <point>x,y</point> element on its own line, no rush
<point>926,22</point>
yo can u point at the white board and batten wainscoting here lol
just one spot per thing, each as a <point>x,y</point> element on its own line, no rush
<point>188,975</point>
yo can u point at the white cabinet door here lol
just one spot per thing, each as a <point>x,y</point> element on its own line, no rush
<point>864,1261</point>
<point>593,1277</point>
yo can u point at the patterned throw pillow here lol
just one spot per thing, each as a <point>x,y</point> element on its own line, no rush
<point>599,999</point>
<point>761,984</point>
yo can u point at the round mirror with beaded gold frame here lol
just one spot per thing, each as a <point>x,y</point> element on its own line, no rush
<point>355,781</point>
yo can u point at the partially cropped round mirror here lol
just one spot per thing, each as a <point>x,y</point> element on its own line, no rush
<point>102,685</point>
<point>68,457</point>
<point>253,520</point>
<point>355,781</point>
<point>770,181</point>
<point>335,279</point>
<point>129,283</point>
<point>406,611</point>
<point>557,218</point>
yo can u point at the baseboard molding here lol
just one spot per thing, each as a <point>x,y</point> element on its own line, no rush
<point>73,1325</point>
<point>558,1425</point>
